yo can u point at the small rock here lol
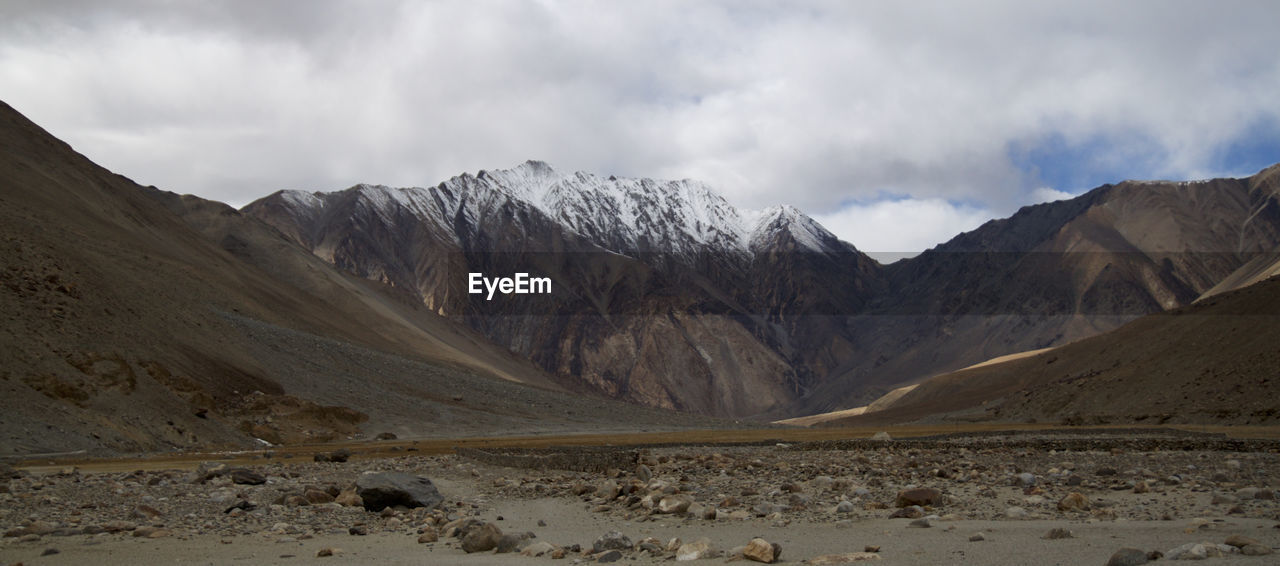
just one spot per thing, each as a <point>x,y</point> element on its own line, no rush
<point>482,538</point>
<point>1025,479</point>
<point>919,496</point>
<point>921,523</point>
<point>1127,557</point>
<point>643,473</point>
<point>761,550</point>
<point>1255,550</point>
<point>326,552</point>
<point>358,530</point>
<point>50,551</point>
<point>674,504</point>
<point>1058,534</point>
<point>512,542</point>
<point>1016,513</point>
<point>243,476</point>
<point>1073,502</point>
<point>695,550</point>
<point>979,537</point>
<point>612,540</point>
<point>1240,541</point>
<point>882,435</point>
<point>151,532</point>
<point>609,556</point>
<point>540,548</point>
<point>317,497</point>
<point>844,507</point>
<point>429,534</point>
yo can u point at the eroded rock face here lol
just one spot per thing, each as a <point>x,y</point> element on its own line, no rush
<point>378,491</point>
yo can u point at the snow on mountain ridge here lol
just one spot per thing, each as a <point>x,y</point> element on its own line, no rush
<point>623,215</point>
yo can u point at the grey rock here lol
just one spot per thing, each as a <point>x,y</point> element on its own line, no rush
<point>609,556</point>
<point>1127,557</point>
<point>1255,550</point>
<point>612,540</point>
<point>386,489</point>
<point>243,476</point>
<point>1025,479</point>
<point>482,539</point>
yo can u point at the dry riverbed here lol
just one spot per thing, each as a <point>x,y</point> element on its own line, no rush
<point>986,499</point>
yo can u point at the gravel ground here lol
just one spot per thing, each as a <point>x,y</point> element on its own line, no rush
<point>898,502</point>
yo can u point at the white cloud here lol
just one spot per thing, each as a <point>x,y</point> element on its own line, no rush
<point>890,229</point>
<point>1047,194</point>
<point>813,104</point>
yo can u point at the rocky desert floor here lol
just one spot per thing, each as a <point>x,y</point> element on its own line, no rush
<point>1038,497</point>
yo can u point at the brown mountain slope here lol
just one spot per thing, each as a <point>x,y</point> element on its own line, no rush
<point>128,327</point>
<point>1057,272</point>
<point>1214,361</point>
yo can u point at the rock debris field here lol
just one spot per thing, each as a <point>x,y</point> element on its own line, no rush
<point>989,499</point>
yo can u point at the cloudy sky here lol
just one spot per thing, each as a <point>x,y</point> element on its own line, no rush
<point>896,124</point>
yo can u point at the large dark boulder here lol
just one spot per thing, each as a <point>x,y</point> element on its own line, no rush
<point>388,489</point>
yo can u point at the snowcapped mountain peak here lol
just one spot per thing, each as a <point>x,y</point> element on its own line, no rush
<point>773,222</point>
<point>624,215</point>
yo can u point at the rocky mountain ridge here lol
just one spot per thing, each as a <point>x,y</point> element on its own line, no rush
<point>769,309</point>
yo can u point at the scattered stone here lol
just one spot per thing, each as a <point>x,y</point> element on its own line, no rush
<point>844,507</point>
<point>482,538</point>
<point>674,504</point>
<point>1127,557</point>
<point>978,537</point>
<point>1073,502</point>
<point>612,540</point>
<point>1240,541</point>
<point>244,476</point>
<point>385,489</point>
<point>609,556</point>
<point>539,549</point>
<point>1025,479</point>
<point>512,542</point>
<point>1141,487</point>
<point>1016,513</point>
<point>918,496</point>
<point>1255,550</point>
<point>1058,534</point>
<point>209,470</point>
<point>358,531</point>
<point>761,550</point>
<point>695,550</point>
<point>643,473</point>
<point>243,505</point>
<point>429,534</point>
<point>326,552</point>
<point>1199,551</point>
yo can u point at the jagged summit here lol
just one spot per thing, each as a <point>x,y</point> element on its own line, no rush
<point>623,215</point>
